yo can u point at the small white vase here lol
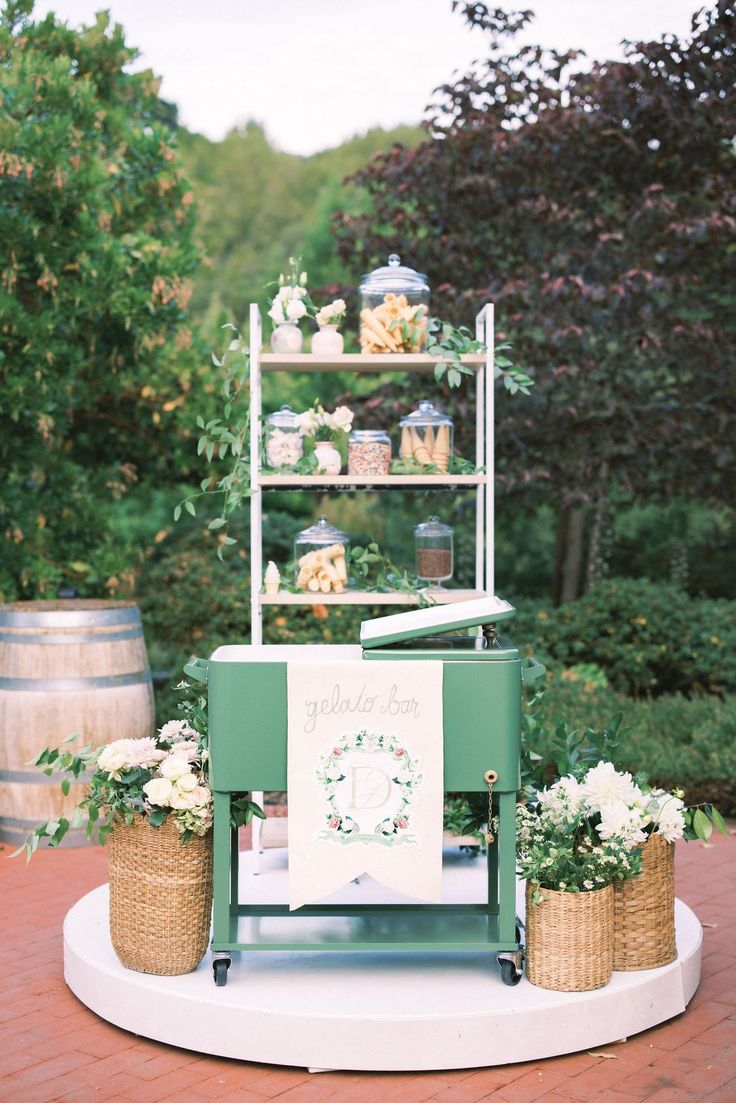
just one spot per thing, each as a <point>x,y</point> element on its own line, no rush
<point>286,337</point>
<point>329,460</point>
<point>327,342</point>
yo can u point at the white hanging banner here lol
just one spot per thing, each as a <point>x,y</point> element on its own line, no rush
<point>365,777</point>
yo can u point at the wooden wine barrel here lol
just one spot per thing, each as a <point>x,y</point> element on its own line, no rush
<point>65,666</point>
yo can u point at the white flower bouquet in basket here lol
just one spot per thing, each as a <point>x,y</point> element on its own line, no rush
<point>577,836</point>
<point>150,800</point>
<point>156,778</point>
<point>570,866</point>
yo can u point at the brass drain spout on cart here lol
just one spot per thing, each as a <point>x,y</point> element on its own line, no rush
<point>490,777</point>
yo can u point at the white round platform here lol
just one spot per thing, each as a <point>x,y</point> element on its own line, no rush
<point>369,1011</point>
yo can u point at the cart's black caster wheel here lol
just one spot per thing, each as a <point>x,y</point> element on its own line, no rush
<point>220,968</point>
<point>509,973</point>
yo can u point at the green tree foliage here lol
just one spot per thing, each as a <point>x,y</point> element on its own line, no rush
<point>596,209</point>
<point>96,223</point>
<point>258,205</point>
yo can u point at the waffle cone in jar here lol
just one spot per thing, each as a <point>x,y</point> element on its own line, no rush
<point>429,438</point>
<point>419,448</point>
<point>407,448</point>
<point>442,440</point>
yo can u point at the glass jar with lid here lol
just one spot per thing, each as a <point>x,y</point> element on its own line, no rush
<point>321,555</point>
<point>427,437</point>
<point>284,444</point>
<point>369,452</point>
<point>433,542</point>
<point>394,309</point>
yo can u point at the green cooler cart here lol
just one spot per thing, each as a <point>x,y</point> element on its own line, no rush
<point>482,683</point>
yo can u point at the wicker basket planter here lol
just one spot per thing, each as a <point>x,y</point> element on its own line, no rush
<point>160,897</point>
<point>569,939</point>
<point>644,911</point>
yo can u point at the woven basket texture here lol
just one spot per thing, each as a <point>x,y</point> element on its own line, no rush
<point>160,897</point>
<point>569,939</point>
<point>644,911</point>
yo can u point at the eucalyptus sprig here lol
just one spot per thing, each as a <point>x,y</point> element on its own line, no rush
<point>377,573</point>
<point>226,436</point>
<point>457,466</point>
<point>450,343</point>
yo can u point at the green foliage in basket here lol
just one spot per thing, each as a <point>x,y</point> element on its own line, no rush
<point>559,848</point>
<point>154,777</point>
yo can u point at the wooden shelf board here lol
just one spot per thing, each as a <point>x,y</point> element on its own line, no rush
<point>364,597</point>
<point>316,481</point>
<point>359,362</point>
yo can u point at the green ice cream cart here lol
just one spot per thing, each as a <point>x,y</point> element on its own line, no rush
<point>483,675</point>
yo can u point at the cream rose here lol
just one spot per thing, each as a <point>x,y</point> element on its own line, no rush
<point>295,310</point>
<point>181,801</point>
<point>187,750</point>
<point>114,756</point>
<point>173,767</point>
<point>186,783</point>
<point>201,795</point>
<point>144,752</point>
<point>158,791</point>
<point>176,729</point>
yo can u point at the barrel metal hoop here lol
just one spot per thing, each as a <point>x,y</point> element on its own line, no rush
<point>26,777</point>
<point>75,685</point>
<point>68,618</point>
<point>78,637</point>
<point>22,825</point>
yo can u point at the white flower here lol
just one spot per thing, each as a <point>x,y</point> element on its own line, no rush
<point>276,312</point>
<point>201,795</point>
<point>186,749</point>
<point>181,800</point>
<point>604,784</point>
<point>331,314</point>
<point>667,816</point>
<point>176,729</point>
<point>622,823</point>
<point>187,783</point>
<point>284,294</point>
<point>173,767</point>
<point>144,752</point>
<point>295,310</point>
<point>308,422</point>
<point>333,772</point>
<point>563,801</point>
<point>342,419</point>
<point>158,791</point>
<point>113,757</point>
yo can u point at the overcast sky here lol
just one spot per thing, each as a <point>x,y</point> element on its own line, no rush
<point>315,72</point>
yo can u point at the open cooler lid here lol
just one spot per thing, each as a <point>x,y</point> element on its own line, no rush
<point>427,622</point>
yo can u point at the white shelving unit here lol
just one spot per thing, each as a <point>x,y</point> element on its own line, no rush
<point>482,365</point>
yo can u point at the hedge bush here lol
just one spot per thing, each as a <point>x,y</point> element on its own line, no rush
<point>677,741</point>
<point>649,638</point>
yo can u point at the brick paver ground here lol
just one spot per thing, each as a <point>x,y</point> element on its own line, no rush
<point>55,1049</point>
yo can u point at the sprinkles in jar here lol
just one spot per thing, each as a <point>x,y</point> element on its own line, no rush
<point>369,452</point>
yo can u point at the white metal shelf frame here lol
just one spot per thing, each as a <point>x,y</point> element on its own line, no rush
<point>483,367</point>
